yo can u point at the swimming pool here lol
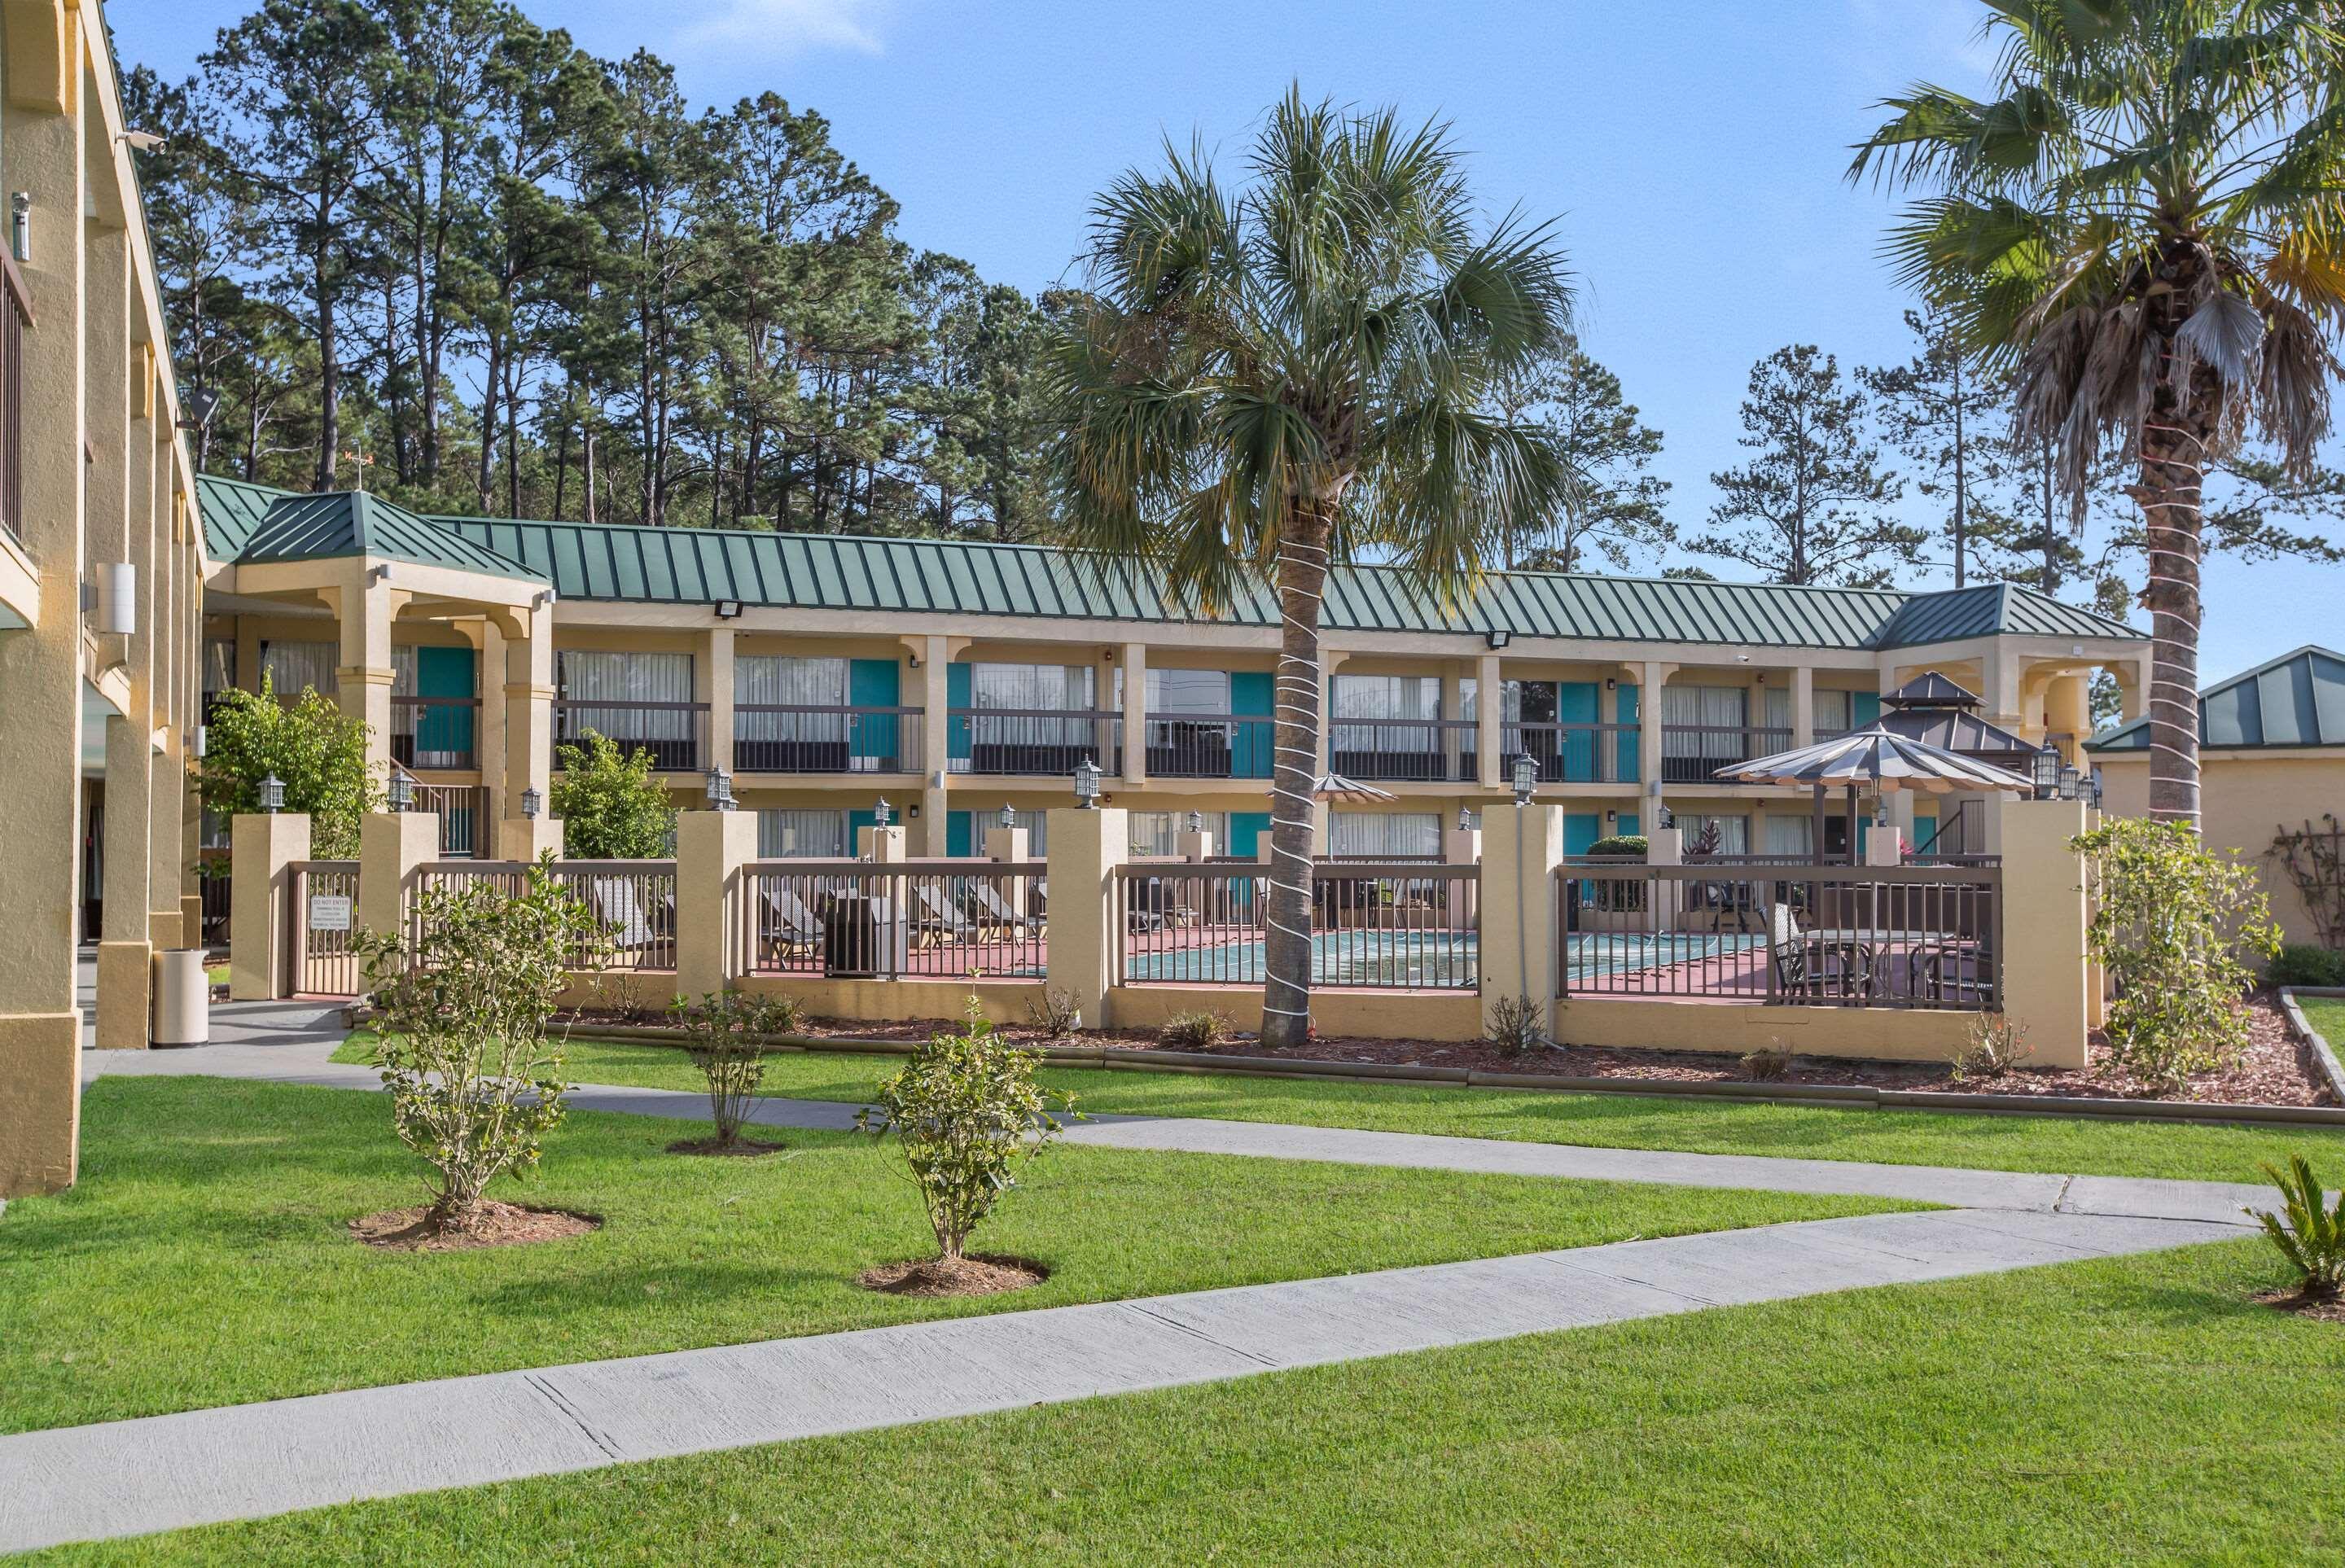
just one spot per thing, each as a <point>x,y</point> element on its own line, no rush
<point>1423,960</point>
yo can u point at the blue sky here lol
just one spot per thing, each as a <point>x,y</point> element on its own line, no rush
<point>1691,149</point>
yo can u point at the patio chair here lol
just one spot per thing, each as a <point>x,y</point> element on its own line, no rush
<point>995,913</point>
<point>935,919</point>
<point>1811,968</point>
<point>789,926</point>
<point>632,929</point>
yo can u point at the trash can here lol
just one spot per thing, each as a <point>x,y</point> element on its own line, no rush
<point>183,1012</point>
<point>863,937</point>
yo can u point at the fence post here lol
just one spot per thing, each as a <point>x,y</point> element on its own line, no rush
<point>2043,972</point>
<point>1194,846</point>
<point>1522,846</point>
<point>711,847</point>
<point>260,848</point>
<point>1086,848</point>
<point>524,838</point>
<point>1665,846</point>
<point>1007,844</point>
<point>391,845</point>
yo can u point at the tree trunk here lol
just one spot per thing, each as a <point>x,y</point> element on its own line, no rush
<point>1962,488</point>
<point>330,384</point>
<point>1286,942</point>
<point>2177,436</point>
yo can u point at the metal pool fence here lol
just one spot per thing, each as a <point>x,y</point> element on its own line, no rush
<point>1392,925</point>
<point>853,919</point>
<point>634,901</point>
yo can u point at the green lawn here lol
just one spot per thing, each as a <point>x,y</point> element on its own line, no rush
<point>2082,1146</point>
<point>203,1261</point>
<point>2132,1411</point>
<point>2326,1014</point>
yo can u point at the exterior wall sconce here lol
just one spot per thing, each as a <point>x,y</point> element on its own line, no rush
<point>1087,785</point>
<point>883,813</point>
<point>532,803</point>
<point>1611,682</point>
<point>20,225</point>
<point>728,610</point>
<point>117,598</point>
<point>2044,771</point>
<point>273,794</point>
<point>200,743</point>
<point>1525,777</point>
<point>403,791</point>
<point>1500,639</point>
<point>1611,819</point>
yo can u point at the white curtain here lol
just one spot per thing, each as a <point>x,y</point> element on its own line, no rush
<point>1037,825</point>
<point>1188,691</point>
<point>764,681</point>
<point>1712,708</point>
<point>1383,697</point>
<point>1158,832</point>
<point>1789,836</point>
<point>790,835</point>
<point>1378,835</point>
<point>1778,709</point>
<point>1733,831</point>
<point>220,665</point>
<point>1832,713</point>
<point>1063,688</point>
<point>403,671</point>
<point>588,678</point>
<point>290,666</point>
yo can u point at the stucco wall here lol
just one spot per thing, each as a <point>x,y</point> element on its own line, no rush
<point>2245,799</point>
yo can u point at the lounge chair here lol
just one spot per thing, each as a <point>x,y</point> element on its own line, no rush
<point>788,926</point>
<point>995,914</point>
<point>1812,967</point>
<point>633,929</point>
<point>934,918</point>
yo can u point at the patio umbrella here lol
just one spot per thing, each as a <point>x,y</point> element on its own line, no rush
<point>1875,757</point>
<point>1348,792</point>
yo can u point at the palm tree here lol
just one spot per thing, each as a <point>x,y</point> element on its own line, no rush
<point>2144,226</point>
<point>1266,381</point>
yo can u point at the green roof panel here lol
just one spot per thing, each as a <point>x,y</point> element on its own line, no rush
<point>2295,699</point>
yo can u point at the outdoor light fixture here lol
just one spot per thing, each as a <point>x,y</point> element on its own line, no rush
<point>402,790</point>
<point>1663,816</point>
<point>2069,780</point>
<point>1087,785</point>
<point>1465,819</point>
<point>203,742</point>
<point>2045,771</point>
<point>720,789</point>
<point>1196,822</point>
<point>1525,773</point>
<point>273,794</point>
<point>117,598</point>
<point>20,224</point>
<point>1500,639</point>
<point>2093,787</point>
<point>1009,817</point>
<point>728,608</point>
<point>532,803</point>
<point>883,813</point>
<point>1611,683</point>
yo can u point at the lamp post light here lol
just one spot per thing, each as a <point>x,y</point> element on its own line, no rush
<point>2069,780</point>
<point>1465,819</point>
<point>1525,777</point>
<point>2046,772</point>
<point>1009,817</point>
<point>403,791</point>
<point>883,813</point>
<point>273,794</point>
<point>532,803</point>
<point>1087,785</point>
<point>1196,822</point>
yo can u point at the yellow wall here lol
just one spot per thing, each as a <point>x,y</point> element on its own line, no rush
<point>2245,799</point>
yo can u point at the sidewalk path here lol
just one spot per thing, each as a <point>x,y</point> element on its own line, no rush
<point>242,1462</point>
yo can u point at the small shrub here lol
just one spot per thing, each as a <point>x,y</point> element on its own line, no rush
<point>2311,1236</point>
<point>1768,1064</point>
<point>1517,1025</point>
<point>317,753</point>
<point>1629,844</point>
<point>2174,927</point>
<point>1199,1031</point>
<point>1056,1012</point>
<point>466,991</point>
<point>619,993</point>
<point>726,1034</point>
<point>966,1114</point>
<point>2302,963</point>
<point>1996,1045</point>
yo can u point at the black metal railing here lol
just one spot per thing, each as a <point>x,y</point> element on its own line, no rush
<point>632,902</point>
<point>1830,935</point>
<point>791,738</point>
<point>1693,753</point>
<point>1208,746</point>
<point>1429,751</point>
<point>1391,924</point>
<point>13,322</point>
<point>675,734</point>
<point>851,919</point>
<point>1572,753</point>
<point>434,732</point>
<point>1045,741</point>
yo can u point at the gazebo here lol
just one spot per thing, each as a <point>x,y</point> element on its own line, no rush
<point>1938,712</point>
<point>1875,757</point>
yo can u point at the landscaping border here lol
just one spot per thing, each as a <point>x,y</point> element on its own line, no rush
<point>1844,1096</point>
<point>2322,1052</point>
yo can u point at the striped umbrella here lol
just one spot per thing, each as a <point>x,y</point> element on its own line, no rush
<point>1877,759</point>
<point>1348,792</point>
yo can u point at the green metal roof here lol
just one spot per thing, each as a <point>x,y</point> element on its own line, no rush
<point>341,524</point>
<point>230,509</point>
<point>635,565</point>
<point>2297,700</point>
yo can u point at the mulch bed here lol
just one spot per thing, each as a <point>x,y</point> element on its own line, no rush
<point>493,1225</point>
<point>977,1274</point>
<point>2276,1069</point>
<point>740,1147</point>
<point>2331,1311</point>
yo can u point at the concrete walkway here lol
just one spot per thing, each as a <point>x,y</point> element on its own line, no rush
<point>243,1461</point>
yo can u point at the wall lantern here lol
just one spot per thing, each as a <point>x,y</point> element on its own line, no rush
<point>402,790</point>
<point>1009,816</point>
<point>720,789</point>
<point>2069,780</point>
<point>203,742</point>
<point>273,794</point>
<point>118,599</point>
<point>1087,785</point>
<point>1525,776</point>
<point>2045,771</point>
<point>1196,822</point>
<point>532,803</point>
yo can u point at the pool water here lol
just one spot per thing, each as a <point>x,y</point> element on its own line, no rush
<point>1441,960</point>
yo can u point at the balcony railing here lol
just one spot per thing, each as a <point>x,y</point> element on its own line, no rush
<point>1208,746</point>
<point>434,732</point>
<point>13,322</point>
<point>1043,742</point>
<point>1573,754</point>
<point>792,738</point>
<point>676,734</point>
<point>1427,751</point>
<point>1693,753</point>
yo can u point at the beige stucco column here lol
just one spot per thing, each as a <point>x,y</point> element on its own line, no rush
<point>391,846</point>
<point>1521,847</point>
<point>1009,845</point>
<point>40,666</point>
<point>1651,676</point>
<point>1086,848</point>
<point>2043,972</point>
<point>937,655</point>
<point>528,638</point>
<point>264,844</point>
<point>363,679</point>
<point>1804,706</point>
<point>711,847</point>
<point>124,951</point>
<point>1134,658</point>
<point>1489,716</point>
<point>715,671</point>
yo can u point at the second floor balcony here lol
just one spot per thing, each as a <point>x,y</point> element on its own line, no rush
<point>1035,741</point>
<point>1693,753</point>
<point>792,738</point>
<point>431,733</point>
<point>676,734</point>
<point>1574,753</point>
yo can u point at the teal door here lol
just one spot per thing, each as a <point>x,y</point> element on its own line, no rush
<point>1863,708</point>
<point>1250,749</point>
<point>875,741</point>
<point>960,834</point>
<point>1581,829</point>
<point>1627,758</point>
<point>1246,830</point>
<point>1575,703</point>
<point>443,731</point>
<point>956,743</point>
<point>856,820</point>
<point>1628,828</point>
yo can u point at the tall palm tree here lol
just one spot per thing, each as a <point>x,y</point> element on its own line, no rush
<point>2148,225</point>
<point>1264,381</point>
